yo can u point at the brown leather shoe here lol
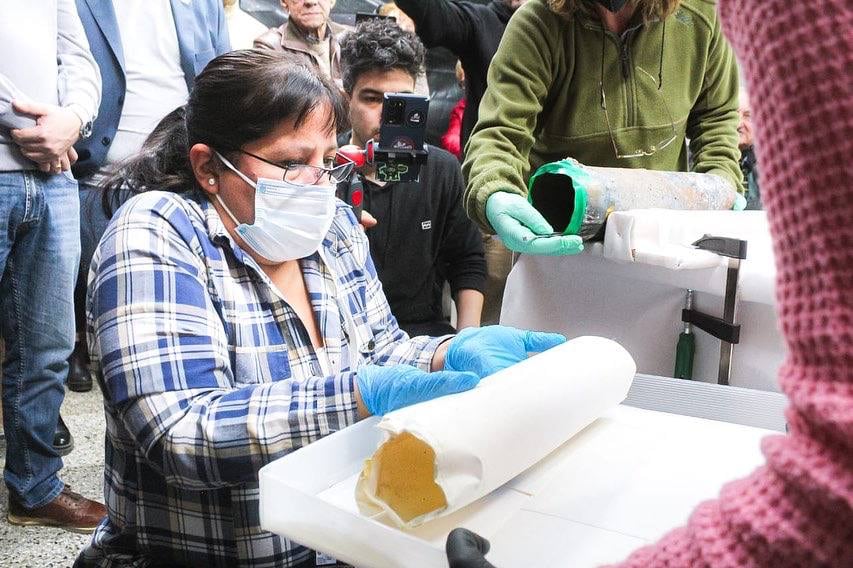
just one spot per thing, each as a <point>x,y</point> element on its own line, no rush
<point>70,511</point>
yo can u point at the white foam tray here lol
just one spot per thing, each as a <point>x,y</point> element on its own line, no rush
<point>620,483</point>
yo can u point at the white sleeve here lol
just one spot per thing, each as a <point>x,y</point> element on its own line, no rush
<point>79,80</point>
<point>8,117</point>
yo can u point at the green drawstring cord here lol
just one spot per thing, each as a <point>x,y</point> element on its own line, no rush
<point>660,64</point>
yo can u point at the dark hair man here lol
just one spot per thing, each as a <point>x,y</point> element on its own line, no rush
<point>472,31</point>
<point>423,237</point>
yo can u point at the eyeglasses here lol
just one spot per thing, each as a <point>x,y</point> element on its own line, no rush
<point>305,173</point>
<point>638,152</point>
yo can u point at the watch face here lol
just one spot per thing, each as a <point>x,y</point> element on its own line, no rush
<point>86,130</point>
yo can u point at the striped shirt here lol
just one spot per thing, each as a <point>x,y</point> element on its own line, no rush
<point>208,375</point>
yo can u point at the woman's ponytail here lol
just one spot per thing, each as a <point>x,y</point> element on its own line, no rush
<point>162,164</point>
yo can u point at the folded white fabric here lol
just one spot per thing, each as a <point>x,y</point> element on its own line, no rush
<point>663,237</point>
<point>444,454</point>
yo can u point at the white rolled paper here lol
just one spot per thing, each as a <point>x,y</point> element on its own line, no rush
<point>441,455</point>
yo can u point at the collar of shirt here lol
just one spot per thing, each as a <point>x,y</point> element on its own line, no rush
<point>318,270</point>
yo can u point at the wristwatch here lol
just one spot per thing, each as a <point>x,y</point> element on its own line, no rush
<point>85,121</point>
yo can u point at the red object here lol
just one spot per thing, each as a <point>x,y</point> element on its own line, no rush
<point>797,509</point>
<point>351,153</point>
<point>452,139</point>
<point>355,154</point>
<point>357,197</point>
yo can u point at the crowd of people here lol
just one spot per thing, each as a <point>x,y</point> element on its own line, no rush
<point>172,232</point>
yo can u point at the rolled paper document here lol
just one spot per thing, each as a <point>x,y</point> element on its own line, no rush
<point>576,199</point>
<point>441,455</point>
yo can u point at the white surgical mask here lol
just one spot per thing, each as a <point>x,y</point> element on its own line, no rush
<point>291,219</point>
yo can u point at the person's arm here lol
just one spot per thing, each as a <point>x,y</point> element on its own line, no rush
<point>440,23</point>
<point>79,79</point>
<point>460,254</point>
<point>797,509</point>
<point>469,308</point>
<point>519,78</point>
<point>713,121</point>
<point>9,119</point>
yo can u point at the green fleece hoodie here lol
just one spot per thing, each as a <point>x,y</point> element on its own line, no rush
<point>543,101</point>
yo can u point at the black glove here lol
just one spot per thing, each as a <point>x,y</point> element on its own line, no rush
<point>466,549</point>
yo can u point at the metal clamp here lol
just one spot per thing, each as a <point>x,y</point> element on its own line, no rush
<point>723,328</point>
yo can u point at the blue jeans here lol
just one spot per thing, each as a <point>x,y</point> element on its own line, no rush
<point>39,253</point>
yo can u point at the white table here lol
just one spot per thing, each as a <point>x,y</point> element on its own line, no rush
<point>622,482</point>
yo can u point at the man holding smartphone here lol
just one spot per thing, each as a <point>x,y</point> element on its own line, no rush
<point>422,238</point>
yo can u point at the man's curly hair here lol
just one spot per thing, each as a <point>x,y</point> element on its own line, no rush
<point>379,43</point>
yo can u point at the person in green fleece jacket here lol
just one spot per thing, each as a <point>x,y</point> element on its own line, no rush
<point>610,83</point>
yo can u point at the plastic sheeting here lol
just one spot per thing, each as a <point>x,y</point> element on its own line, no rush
<point>442,455</point>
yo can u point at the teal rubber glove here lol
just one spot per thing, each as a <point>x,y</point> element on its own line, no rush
<point>384,389</point>
<point>523,229</point>
<point>740,203</point>
<point>487,350</point>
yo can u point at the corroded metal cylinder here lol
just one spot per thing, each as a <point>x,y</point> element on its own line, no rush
<point>576,199</point>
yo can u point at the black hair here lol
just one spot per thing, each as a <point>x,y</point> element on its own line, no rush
<point>240,96</point>
<point>379,43</point>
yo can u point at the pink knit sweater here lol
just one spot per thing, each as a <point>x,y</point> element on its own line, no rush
<point>796,510</point>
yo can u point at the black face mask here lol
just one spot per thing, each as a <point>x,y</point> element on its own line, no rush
<point>612,5</point>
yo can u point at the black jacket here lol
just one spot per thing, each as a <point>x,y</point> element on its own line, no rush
<point>423,239</point>
<point>471,31</point>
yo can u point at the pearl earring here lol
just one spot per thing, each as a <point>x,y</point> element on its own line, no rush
<point>211,181</point>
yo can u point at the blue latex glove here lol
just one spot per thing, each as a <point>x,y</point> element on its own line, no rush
<point>740,203</point>
<point>487,350</point>
<point>384,389</point>
<point>523,229</point>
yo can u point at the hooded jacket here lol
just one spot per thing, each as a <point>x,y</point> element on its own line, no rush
<point>543,102</point>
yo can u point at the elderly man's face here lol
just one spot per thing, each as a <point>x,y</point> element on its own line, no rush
<point>744,128</point>
<point>309,15</point>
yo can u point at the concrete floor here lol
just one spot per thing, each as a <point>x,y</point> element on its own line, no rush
<point>36,547</point>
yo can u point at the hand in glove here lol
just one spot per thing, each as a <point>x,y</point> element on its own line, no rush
<point>487,350</point>
<point>466,549</point>
<point>740,203</point>
<point>523,229</point>
<point>388,388</point>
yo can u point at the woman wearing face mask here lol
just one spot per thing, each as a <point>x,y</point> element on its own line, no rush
<point>616,83</point>
<point>234,316</point>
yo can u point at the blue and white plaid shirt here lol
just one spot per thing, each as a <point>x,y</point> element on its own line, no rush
<point>208,375</point>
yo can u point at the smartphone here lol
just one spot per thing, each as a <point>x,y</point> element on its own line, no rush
<point>404,121</point>
<point>401,151</point>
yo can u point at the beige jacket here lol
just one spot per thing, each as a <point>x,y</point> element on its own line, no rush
<point>287,39</point>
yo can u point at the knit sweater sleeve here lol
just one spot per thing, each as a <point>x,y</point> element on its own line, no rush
<point>797,509</point>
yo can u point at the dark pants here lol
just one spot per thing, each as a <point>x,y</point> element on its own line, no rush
<point>93,224</point>
<point>431,328</point>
